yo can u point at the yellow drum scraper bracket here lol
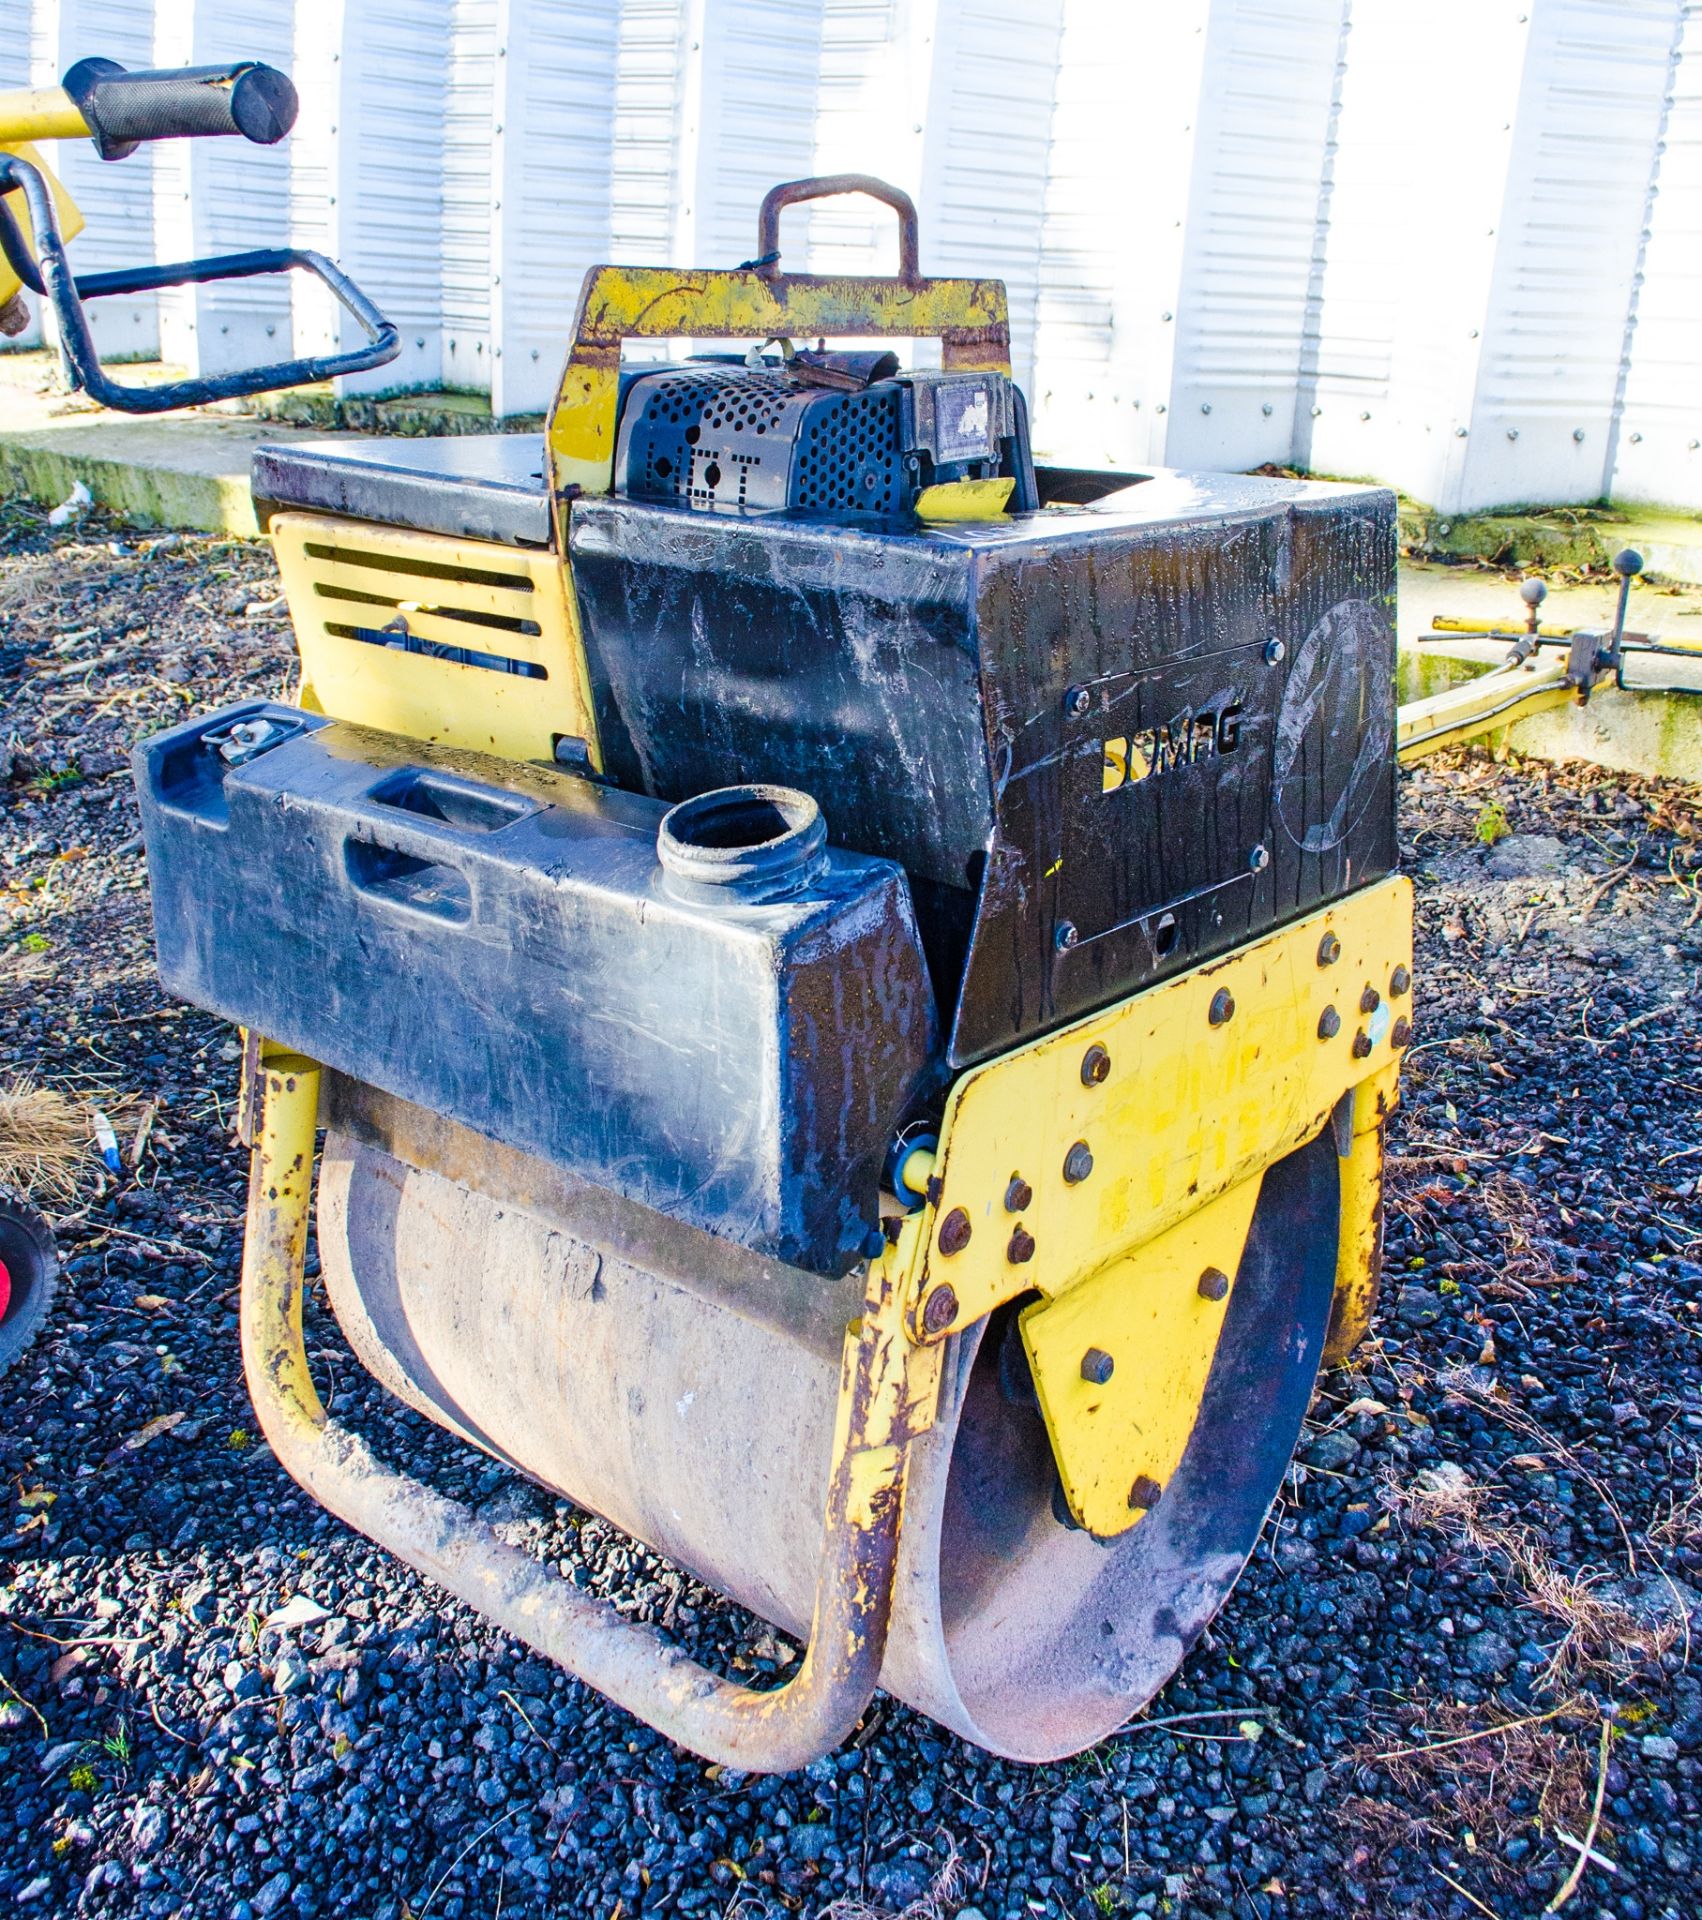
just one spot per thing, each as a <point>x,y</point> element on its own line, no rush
<point>1113,1169</point>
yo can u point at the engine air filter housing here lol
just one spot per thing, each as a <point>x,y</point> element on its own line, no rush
<point>817,434</point>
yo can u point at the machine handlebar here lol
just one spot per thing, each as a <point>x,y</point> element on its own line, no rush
<point>123,109</point>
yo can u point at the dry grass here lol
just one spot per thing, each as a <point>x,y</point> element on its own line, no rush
<point>949,1886</point>
<point>1492,1781</point>
<point>44,1137</point>
<point>1681,1525</point>
<point>1601,1640</point>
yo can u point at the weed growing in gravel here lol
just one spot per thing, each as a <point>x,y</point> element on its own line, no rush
<point>1492,824</point>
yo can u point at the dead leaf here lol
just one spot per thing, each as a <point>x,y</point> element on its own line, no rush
<point>152,1431</point>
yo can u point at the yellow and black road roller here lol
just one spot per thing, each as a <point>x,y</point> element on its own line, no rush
<point>853,983</point>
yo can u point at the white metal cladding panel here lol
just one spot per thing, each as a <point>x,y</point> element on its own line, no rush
<point>650,58</point>
<point>556,66</point>
<point>1418,179</point>
<point>1265,109</point>
<point>315,205</point>
<point>988,133</point>
<point>1118,168</point>
<point>468,117</point>
<point>755,120</point>
<point>1560,308</point>
<point>1660,429</point>
<point>871,105</point>
<point>116,197</point>
<point>223,196</point>
<point>389,169</point>
<point>15,43</point>
<point>15,27</point>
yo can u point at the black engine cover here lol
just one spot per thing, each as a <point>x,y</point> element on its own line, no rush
<point>1107,739</point>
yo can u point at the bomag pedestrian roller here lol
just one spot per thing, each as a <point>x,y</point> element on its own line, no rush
<point>853,984</point>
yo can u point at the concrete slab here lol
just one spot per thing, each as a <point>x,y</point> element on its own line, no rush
<point>175,470</point>
<point>1649,733</point>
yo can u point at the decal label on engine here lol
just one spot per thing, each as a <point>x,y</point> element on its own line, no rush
<point>1184,741</point>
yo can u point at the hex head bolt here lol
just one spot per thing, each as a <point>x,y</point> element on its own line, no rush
<point>1399,981</point>
<point>1018,1195</point>
<point>1097,1366</point>
<point>1222,1009</point>
<point>939,1310</point>
<point>1078,702</point>
<point>1370,1000</point>
<point>1095,1066</point>
<point>1329,950</point>
<point>1400,1034</point>
<point>1020,1250</point>
<point>1145,1493</point>
<point>1362,1045</point>
<point>1214,1284</point>
<point>1065,936</point>
<point>1078,1163</point>
<point>954,1232</point>
<point>1329,1024</point>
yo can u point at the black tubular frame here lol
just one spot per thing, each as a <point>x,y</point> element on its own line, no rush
<point>53,280</point>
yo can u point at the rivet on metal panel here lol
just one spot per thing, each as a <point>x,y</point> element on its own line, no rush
<point>1361,1045</point>
<point>1329,1024</point>
<point>1222,1009</point>
<point>1095,1065</point>
<point>1329,950</point>
<point>1066,935</point>
<point>1275,652</point>
<point>1370,1000</point>
<point>1018,1195</point>
<point>1145,1493</point>
<point>1021,1248</point>
<point>1399,981</point>
<point>1097,1366</point>
<point>939,1310</point>
<point>1077,702</point>
<point>954,1232</point>
<point>1401,1032</point>
<point>1214,1284</point>
<point>1078,1163</point>
<point>1259,858</point>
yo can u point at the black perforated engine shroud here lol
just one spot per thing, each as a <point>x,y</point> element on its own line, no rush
<point>730,436</point>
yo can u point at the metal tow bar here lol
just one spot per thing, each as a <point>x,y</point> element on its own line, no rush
<point>887,1394</point>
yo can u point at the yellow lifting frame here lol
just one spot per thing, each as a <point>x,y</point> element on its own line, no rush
<point>969,318</point>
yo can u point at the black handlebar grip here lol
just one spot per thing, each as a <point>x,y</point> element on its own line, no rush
<point>180,103</point>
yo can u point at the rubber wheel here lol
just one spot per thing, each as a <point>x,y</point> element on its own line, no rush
<point>29,1273</point>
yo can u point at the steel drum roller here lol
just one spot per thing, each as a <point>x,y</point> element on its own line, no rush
<point>706,1431</point>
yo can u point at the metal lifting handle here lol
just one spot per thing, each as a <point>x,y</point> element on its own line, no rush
<point>123,109</point>
<point>888,1390</point>
<point>53,279</point>
<point>791,192</point>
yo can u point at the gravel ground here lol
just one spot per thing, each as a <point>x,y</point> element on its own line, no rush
<point>1469,1616</point>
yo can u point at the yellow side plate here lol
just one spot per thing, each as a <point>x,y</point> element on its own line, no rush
<point>354,588</point>
<point>1172,1099</point>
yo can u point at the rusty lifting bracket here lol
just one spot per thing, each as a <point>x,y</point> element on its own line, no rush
<point>887,1397</point>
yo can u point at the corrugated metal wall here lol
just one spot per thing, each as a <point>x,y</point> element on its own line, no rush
<point>1456,246</point>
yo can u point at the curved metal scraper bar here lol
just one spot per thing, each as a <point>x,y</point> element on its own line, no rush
<point>887,1391</point>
